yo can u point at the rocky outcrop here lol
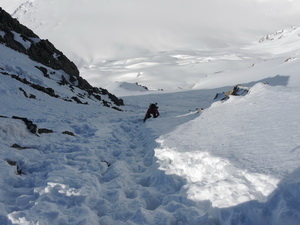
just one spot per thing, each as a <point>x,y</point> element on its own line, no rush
<point>237,90</point>
<point>29,124</point>
<point>18,168</point>
<point>19,38</point>
<point>68,133</point>
<point>22,39</point>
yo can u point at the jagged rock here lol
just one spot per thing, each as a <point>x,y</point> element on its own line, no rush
<point>29,124</point>
<point>107,163</point>
<point>14,163</point>
<point>97,97</point>
<point>41,51</point>
<point>116,108</point>
<point>106,103</point>
<point>199,110</point>
<point>16,146</point>
<point>44,131</point>
<point>19,171</point>
<point>220,97</point>
<point>24,40</point>
<point>44,71</point>
<point>142,86</point>
<point>116,100</point>
<point>48,91</point>
<point>237,90</point>
<point>78,100</point>
<point>68,133</point>
<point>63,81</point>
<point>26,94</point>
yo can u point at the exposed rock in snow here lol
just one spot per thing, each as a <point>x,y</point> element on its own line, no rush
<point>51,62</point>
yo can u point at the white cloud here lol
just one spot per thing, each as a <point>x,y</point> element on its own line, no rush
<point>95,29</point>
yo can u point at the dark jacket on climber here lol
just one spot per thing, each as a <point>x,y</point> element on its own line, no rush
<point>152,111</point>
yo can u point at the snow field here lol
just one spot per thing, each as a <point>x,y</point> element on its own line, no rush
<point>235,162</point>
<point>105,174</point>
<point>239,151</point>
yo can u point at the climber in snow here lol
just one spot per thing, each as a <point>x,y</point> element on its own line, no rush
<point>152,110</point>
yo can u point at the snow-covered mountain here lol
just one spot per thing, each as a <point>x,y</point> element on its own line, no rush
<point>27,57</point>
<point>123,41</point>
<point>217,154</point>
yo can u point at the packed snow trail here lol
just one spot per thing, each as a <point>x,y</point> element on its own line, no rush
<point>133,188</point>
<point>105,174</point>
<point>136,191</point>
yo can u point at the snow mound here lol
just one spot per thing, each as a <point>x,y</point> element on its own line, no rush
<point>238,152</point>
<point>125,88</point>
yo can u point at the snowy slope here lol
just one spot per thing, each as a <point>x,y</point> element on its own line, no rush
<point>201,161</point>
<point>236,162</point>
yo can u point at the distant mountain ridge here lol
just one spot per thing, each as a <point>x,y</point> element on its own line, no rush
<point>281,34</point>
<point>23,40</point>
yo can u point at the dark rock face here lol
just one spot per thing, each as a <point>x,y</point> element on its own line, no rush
<point>29,124</point>
<point>14,163</point>
<point>16,146</point>
<point>68,133</point>
<point>41,51</point>
<point>18,37</point>
<point>44,131</point>
<point>45,53</point>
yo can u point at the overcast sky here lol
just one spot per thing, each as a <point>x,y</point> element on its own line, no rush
<point>98,29</point>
